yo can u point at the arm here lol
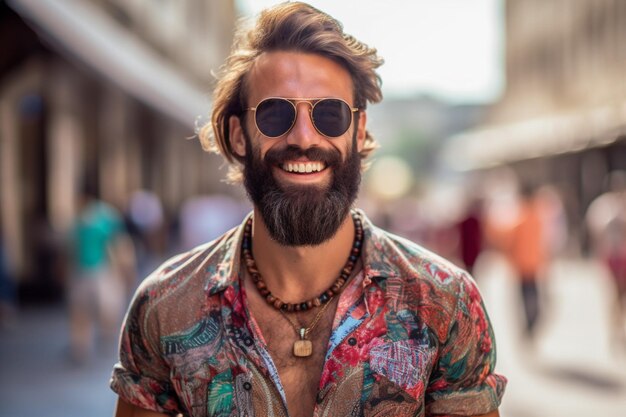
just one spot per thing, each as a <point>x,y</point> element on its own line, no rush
<point>463,380</point>
<point>124,409</point>
<point>141,377</point>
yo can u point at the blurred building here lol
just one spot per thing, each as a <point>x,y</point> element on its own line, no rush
<point>105,92</point>
<point>562,119</point>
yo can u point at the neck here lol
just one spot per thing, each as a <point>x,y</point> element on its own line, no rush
<point>296,273</point>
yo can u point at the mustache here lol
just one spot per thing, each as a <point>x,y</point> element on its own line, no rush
<point>327,156</point>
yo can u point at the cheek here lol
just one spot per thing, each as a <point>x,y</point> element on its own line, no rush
<point>260,145</point>
<point>265,146</point>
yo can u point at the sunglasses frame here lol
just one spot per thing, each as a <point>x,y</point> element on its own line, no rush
<point>312,102</point>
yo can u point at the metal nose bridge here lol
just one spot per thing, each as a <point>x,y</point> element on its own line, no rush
<point>311,103</point>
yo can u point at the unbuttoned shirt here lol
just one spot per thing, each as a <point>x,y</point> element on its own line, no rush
<point>410,337</point>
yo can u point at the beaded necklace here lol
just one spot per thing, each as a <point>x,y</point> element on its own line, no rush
<point>324,297</point>
<point>302,347</point>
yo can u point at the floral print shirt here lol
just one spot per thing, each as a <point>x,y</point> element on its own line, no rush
<point>410,337</point>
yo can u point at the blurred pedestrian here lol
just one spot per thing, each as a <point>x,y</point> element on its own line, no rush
<point>470,230</point>
<point>205,217</point>
<point>522,239</point>
<point>606,222</point>
<point>101,254</point>
<point>146,224</point>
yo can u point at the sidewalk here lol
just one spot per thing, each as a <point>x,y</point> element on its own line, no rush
<point>571,372</point>
<point>38,379</point>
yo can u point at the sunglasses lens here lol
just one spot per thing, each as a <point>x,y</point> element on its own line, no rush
<point>332,117</point>
<point>274,117</point>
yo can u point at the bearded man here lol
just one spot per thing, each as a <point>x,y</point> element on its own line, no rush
<point>306,309</point>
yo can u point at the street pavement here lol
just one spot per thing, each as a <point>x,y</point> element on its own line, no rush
<point>37,377</point>
<point>571,370</point>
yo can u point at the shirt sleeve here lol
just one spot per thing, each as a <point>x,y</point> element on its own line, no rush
<point>141,377</point>
<point>463,382</point>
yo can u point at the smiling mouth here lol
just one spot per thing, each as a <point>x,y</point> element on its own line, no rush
<point>303,167</point>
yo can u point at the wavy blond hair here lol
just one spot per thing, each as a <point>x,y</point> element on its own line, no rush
<point>290,26</point>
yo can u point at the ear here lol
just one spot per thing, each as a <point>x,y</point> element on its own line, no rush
<point>361,132</point>
<point>237,138</point>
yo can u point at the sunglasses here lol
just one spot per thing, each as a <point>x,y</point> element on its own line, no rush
<point>275,116</point>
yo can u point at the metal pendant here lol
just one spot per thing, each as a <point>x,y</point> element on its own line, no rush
<point>302,348</point>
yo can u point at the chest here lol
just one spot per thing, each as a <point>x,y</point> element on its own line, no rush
<point>367,359</point>
<point>365,372</point>
<point>299,374</point>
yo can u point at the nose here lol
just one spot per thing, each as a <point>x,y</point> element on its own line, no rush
<point>303,133</point>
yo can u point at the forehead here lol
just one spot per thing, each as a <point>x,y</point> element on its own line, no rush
<point>297,75</point>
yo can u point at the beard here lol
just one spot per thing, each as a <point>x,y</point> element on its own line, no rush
<point>301,215</point>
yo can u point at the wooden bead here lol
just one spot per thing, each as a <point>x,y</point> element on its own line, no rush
<point>323,298</point>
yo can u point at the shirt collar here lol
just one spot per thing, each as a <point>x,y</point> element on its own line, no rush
<point>377,256</point>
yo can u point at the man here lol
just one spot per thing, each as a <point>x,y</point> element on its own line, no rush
<point>306,309</point>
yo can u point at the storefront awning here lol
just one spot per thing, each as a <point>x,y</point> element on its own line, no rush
<point>79,28</point>
<point>540,137</point>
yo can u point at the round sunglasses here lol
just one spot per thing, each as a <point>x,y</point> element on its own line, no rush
<point>275,116</point>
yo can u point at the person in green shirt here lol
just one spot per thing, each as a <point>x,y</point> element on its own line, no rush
<point>96,291</point>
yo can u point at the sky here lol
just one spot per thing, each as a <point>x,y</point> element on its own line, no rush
<point>450,49</point>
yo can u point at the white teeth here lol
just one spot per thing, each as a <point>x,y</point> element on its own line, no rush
<point>303,167</point>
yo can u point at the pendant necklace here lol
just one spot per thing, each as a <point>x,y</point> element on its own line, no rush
<point>302,347</point>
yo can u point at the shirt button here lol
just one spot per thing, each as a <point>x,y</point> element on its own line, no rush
<point>352,341</point>
<point>247,386</point>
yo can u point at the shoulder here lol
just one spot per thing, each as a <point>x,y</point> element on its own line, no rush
<point>192,279</point>
<point>395,256</point>
<point>420,282</point>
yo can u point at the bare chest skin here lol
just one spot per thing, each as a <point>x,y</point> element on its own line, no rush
<point>299,376</point>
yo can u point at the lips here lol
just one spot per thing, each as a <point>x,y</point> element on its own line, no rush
<point>303,167</point>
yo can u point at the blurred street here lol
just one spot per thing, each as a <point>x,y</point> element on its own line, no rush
<point>37,376</point>
<point>571,372</point>
<point>105,117</point>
